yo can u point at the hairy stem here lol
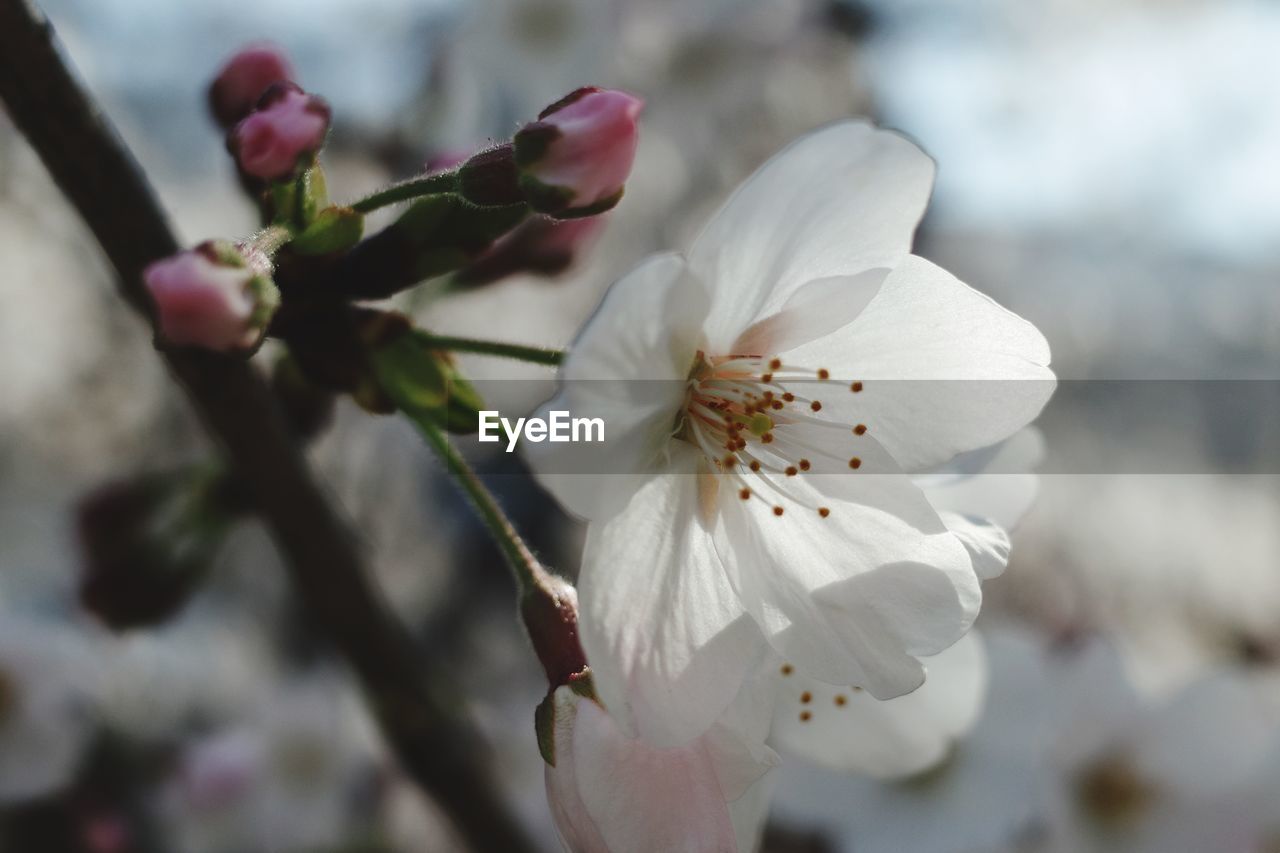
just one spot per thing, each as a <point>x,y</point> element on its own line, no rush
<point>442,182</point>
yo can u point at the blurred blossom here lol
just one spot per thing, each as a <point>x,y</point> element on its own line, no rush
<point>293,775</point>
<point>49,682</point>
<point>1067,756</point>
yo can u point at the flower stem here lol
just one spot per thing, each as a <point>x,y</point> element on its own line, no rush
<point>537,355</point>
<point>441,182</point>
<point>526,568</point>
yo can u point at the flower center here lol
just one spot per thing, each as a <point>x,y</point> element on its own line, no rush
<point>732,410</point>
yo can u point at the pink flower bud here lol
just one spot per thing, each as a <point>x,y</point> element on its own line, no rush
<point>575,159</point>
<point>286,130</point>
<point>244,79</point>
<point>204,298</point>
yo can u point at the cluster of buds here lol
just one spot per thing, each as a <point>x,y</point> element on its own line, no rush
<point>527,206</point>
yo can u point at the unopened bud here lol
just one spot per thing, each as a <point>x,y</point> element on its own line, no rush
<point>244,79</point>
<point>211,297</point>
<point>282,135</point>
<point>575,159</point>
<point>539,246</point>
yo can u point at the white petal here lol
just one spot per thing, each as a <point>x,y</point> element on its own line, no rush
<point>814,311</point>
<point>845,729</point>
<point>627,367</point>
<point>837,202</point>
<point>666,637</point>
<point>850,598</point>
<point>613,793</point>
<point>987,543</point>
<point>994,483</point>
<point>943,368</point>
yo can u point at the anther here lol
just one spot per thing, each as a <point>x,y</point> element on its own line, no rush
<point>806,697</point>
<point>745,494</point>
<point>755,466</point>
<point>860,429</point>
<point>730,460</point>
<point>823,511</point>
<point>775,364</point>
<point>805,716</point>
<point>855,387</point>
<point>855,463</point>
<point>776,404</point>
<point>777,510</point>
<point>840,700</point>
<point>766,378</point>
<point>823,373</point>
<point>804,465</point>
<point>789,397</point>
<point>792,470</point>
<point>767,438</point>
<point>816,405</point>
<point>787,669</point>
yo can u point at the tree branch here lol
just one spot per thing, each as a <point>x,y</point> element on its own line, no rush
<point>99,176</point>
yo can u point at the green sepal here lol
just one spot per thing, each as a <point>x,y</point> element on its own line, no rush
<point>423,383</point>
<point>544,727</point>
<point>334,229</point>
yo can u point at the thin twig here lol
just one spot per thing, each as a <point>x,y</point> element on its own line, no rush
<point>99,176</point>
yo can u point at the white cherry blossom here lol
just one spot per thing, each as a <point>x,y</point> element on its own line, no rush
<point>764,399</point>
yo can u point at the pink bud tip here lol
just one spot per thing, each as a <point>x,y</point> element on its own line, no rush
<point>244,78</point>
<point>580,151</point>
<point>201,302</point>
<point>287,128</point>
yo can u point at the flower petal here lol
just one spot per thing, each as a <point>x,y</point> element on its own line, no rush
<point>838,202</point>
<point>850,597</point>
<point>987,543</point>
<point>627,367</point>
<point>994,483</point>
<point>814,311</point>
<point>667,639</point>
<point>940,368</point>
<point>846,729</point>
<point>614,793</point>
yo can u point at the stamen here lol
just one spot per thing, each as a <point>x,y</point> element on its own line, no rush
<point>804,465</point>
<point>777,510</point>
<point>840,700</point>
<point>816,405</point>
<point>806,697</point>
<point>824,511</point>
<point>792,470</point>
<point>745,494</point>
<point>860,429</point>
<point>789,397</point>
<point>775,364</point>
<point>855,463</point>
<point>855,387</point>
<point>755,466</point>
<point>823,373</point>
<point>787,669</point>
<point>805,716</point>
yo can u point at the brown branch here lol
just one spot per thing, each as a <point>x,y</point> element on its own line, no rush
<point>99,176</point>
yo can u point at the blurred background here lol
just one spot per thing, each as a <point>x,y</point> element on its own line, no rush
<point>1107,169</point>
